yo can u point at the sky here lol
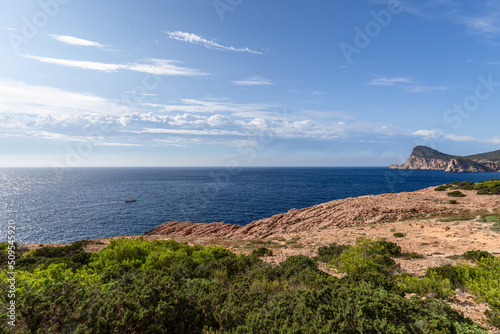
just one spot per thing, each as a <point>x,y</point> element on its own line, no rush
<point>246,83</point>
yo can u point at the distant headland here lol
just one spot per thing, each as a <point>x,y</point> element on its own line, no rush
<point>424,157</point>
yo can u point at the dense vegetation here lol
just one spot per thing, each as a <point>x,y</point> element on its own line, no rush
<point>136,286</point>
<point>490,187</point>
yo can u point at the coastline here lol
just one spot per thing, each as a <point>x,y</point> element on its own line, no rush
<point>431,226</point>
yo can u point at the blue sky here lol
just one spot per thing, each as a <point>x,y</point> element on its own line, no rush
<point>247,83</point>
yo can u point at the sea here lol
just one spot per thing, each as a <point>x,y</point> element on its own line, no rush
<point>64,205</point>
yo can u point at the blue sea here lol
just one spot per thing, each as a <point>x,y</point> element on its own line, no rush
<point>62,206</point>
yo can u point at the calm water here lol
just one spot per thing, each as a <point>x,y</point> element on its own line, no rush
<point>54,206</point>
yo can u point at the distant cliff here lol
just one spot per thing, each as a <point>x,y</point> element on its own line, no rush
<point>424,157</point>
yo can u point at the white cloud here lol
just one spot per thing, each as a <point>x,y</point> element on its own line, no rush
<point>76,41</point>
<point>425,89</point>
<point>59,115</point>
<point>21,98</point>
<point>434,134</point>
<point>196,39</point>
<point>150,66</point>
<point>481,25</point>
<point>406,83</point>
<point>387,81</point>
<point>253,81</point>
<point>213,106</point>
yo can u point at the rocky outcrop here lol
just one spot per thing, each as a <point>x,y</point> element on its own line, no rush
<point>415,162</point>
<point>459,165</point>
<point>347,212</point>
<point>426,158</point>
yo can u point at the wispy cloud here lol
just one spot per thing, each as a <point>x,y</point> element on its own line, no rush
<point>70,40</point>
<point>21,98</point>
<point>212,106</point>
<point>434,134</point>
<point>425,89</point>
<point>253,81</point>
<point>405,83</point>
<point>387,81</point>
<point>485,25</point>
<point>480,18</point>
<point>150,66</point>
<point>196,39</point>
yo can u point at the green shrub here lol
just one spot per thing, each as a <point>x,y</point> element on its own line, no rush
<point>383,247</point>
<point>62,251</point>
<point>137,286</point>
<point>399,235</point>
<point>483,280</point>
<point>448,272</point>
<point>431,284</point>
<point>452,201</point>
<point>441,188</point>
<point>490,219</point>
<point>262,251</point>
<point>456,193</point>
<point>331,251</point>
<point>476,255</point>
<point>369,255</point>
<point>490,187</point>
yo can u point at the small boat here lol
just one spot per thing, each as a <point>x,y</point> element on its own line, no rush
<point>130,200</point>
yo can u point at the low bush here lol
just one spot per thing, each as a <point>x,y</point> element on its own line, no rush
<point>137,286</point>
<point>369,255</point>
<point>431,285</point>
<point>399,235</point>
<point>62,251</point>
<point>456,193</point>
<point>331,251</point>
<point>448,272</point>
<point>262,251</point>
<point>490,187</point>
<point>413,255</point>
<point>476,255</point>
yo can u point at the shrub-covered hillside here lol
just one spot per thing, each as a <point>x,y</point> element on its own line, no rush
<point>137,286</point>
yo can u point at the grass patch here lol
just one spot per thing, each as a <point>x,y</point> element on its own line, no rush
<point>413,256</point>
<point>399,235</point>
<point>495,227</point>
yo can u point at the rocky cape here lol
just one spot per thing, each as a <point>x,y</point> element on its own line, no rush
<point>426,158</point>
